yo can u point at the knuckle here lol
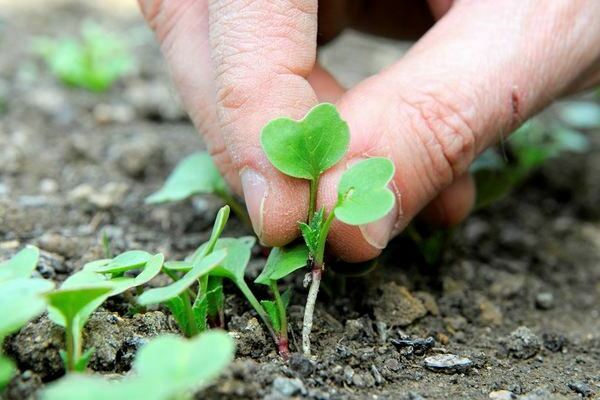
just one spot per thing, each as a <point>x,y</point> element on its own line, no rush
<point>444,128</point>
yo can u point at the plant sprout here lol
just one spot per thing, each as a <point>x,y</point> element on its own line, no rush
<point>21,300</point>
<point>167,368</point>
<point>93,62</point>
<point>197,174</point>
<point>281,262</point>
<point>306,149</point>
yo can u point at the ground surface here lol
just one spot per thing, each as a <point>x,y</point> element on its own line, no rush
<point>517,292</point>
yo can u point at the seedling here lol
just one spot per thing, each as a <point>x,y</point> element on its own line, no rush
<point>281,262</point>
<point>306,149</point>
<point>93,62</point>
<point>21,299</point>
<point>197,174</point>
<point>167,368</point>
<point>69,303</point>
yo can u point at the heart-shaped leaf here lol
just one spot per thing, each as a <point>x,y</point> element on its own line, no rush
<point>69,302</point>
<point>363,195</point>
<point>21,265</point>
<point>281,262</point>
<point>21,300</point>
<point>168,367</point>
<point>306,148</point>
<point>200,268</point>
<point>195,174</point>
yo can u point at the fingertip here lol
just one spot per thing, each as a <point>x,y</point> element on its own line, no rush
<point>453,204</point>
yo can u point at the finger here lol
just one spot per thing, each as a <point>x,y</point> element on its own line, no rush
<point>452,205</point>
<point>181,28</point>
<point>263,51</point>
<point>327,88</point>
<point>458,90</point>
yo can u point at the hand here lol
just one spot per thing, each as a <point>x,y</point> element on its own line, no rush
<point>481,70</point>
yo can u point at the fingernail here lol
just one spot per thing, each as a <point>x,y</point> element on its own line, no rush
<point>254,186</point>
<point>379,233</point>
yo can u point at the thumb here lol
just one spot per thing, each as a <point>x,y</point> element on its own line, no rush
<point>477,74</point>
<point>262,52</point>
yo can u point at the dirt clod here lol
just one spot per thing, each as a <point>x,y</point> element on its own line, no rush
<point>397,306</point>
<point>522,343</point>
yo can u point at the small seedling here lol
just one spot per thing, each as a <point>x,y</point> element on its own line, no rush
<point>69,303</point>
<point>281,262</point>
<point>21,300</point>
<point>167,368</point>
<point>93,62</point>
<point>197,174</point>
<point>306,149</point>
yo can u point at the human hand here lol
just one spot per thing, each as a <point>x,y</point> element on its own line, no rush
<point>480,71</point>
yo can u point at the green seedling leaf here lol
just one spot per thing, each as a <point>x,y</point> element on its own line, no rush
<point>363,193</point>
<point>21,300</point>
<point>234,265</point>
<point>201,267</point>
<point>125,262</point>
<point>273,313</point>
<point>580,114</point>
<point>21,265</point>
<point>306,148</point>
<point>71,301</point>
<point>195,174</point>
<point>7,371</point>
<point>178,309</point>
<point>311,232</point>
<point>218,226</point>
<point>184,266</point>
<point>215,299</point>
<point>166,368</point>
<point>282,262</point>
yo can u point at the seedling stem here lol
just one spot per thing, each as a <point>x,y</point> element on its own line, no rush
<point>283,342</point>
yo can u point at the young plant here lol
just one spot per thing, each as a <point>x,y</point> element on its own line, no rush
<point>281,262</point>
<point>93,62</point>
<point>167,368</point>
<point>69,303</point>
<point>197,174</point>
<point>307,148</point>
<point>21,300</point>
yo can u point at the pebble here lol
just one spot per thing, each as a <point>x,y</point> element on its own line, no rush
<point>544,300</point>
<point>414,346</point>
<point>522,343</point>
<point>581,387</point>
<point>107,197</point>
<point>554,341</point>
<point>502,395</point>
<point>301,365</point>
<point>448,363</point>
<point>288,386</point>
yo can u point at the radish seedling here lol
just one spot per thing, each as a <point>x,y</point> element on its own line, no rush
<point>197,174</point>
<point>281,262</point>
<point>307,148</point>
<point>69,303</point>
<point>93,62</point>
<point>21,299</point>
<point>167,368</point>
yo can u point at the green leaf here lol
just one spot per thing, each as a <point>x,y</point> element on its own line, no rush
<point>218,226</point>
<point>273,313</point>
<point>306,148</point>
<point>70,302</point>
<point>580,114</point>
<point>84,360</point>
<point>195,174</point>
<point>21,265</point>
<point>363,193</point>
<point>281,262</point>
<point>234,265</point>
<point>125,262</point>
<point>177,307</point>
<point>21,300</point>
<point>312,232</point>
<point>201,267</point>
<point>184,266</point>
<point>7,371</point>
<point>215,298</point>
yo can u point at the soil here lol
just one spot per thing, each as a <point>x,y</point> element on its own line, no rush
<point>516,292</point>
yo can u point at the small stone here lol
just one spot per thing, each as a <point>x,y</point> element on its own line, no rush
<point>554,342</point>
<point>489,313</point>
<point>376,375</point>
<point>416,346</point>
<point>288,386</point>
<point>544,300</point>
<point>522,343</point>
<point>301,365</point>
<point>502,395</point>
<point>428,302</point>
<point>348,374</point>
<point>448,363</point>
<point>109,196</point>
<point>392,364</point>
<point>582,388</point>
<point>48,186</point>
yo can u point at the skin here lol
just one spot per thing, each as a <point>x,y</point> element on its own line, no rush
<point>477,70</point>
